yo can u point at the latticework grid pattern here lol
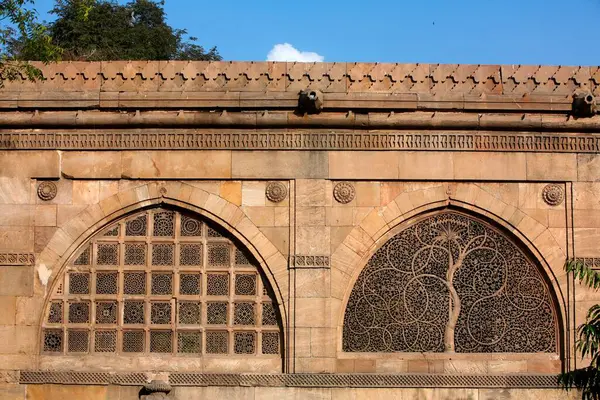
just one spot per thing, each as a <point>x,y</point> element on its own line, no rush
<point>164,283</point>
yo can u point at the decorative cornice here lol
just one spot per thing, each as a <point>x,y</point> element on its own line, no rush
<point>17,259</point>
<point>253,140</point>
<point>297,380</point>
<point>309,261</point>
<point>168,84</point>
<point>327,77</point>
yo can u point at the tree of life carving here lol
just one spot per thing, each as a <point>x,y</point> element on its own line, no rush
<point>450,283</point>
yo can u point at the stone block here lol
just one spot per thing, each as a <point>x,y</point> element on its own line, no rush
<point>586,195</point>
<point>339,216</point>
<point>337,236</point>
<point>312,313</point>
<point>253,194</point>
<point>588,167</point>
<point>279,164</point>
<point>586,241</point>
<point>15,215</point>
<point>490,166</point>
<point>16,281</point>
<point>302,342</point>
<point>313,240</point>
<point>351,165</point>
<point>28,310</point>
<point>275,393</point>
<point>282,216</point>
<point>389,191</point>
<point>527,394</point>
<point>364,366</point>
<point>92,164</point>
<point>176,165</point>
<point>8,310</point>
<point>9,391</point>
<point>373,223</point>
<point>30,164</point>
<point>279,237</point>
<point>312,283</point>
<point>313,192</point>
<point>551,167</point>
<point>368,194</point>
<point>86,192</point>
<point>67,212</point>
<point>62,392</point>
<point>15,190</point>
<point>310,216</point>
<point>315,366</point>
<point>260,216</point>
<point>426,165</point>
<point>45,215</point>
<point>359,214</point>
<point>16,238</point>
<point>107,189</point>
<point>232,192</point>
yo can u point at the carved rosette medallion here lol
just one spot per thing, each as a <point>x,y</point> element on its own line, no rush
<point>47,191</point>
<point>553,194</point>
<point>276,192</point>
<point>344,192</point>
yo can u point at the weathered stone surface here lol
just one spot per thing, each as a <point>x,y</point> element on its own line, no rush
<point>30,164</point>
<point>91,165</point>
<point>279,164</point>
<point>184,164</point>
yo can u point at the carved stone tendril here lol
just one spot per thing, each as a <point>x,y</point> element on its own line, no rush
<point>553,194</point>
<point>47,191</point>
<point>344,192</point>
<point>276,192</point>
<point>450,283</point>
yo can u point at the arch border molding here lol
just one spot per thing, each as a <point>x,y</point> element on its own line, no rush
<point>382,223</point>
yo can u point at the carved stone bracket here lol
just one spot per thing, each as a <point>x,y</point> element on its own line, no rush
<point>17,259</point>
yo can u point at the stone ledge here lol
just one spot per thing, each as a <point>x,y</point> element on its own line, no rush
<point>296,380</point>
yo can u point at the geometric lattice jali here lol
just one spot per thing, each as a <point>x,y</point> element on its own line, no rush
<point>160,281</point>
<point>450,282</point>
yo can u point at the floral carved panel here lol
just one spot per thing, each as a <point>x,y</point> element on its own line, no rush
<point>450,283</point>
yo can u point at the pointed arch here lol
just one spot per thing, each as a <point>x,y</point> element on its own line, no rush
<point>450,282</point>
<point>383,223</point>
<point>72,237</point>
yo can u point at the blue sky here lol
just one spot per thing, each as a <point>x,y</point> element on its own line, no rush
<point>461,31</point>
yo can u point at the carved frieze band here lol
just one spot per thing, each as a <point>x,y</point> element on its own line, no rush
<point>461,141</point>
<point>296,380</point>
<point>17,259</point>
<point>309,261</point>
<point>593,262</point>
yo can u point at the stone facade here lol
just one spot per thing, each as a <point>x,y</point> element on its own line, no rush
<point>312,200</point>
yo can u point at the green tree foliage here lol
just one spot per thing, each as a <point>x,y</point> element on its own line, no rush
<point>93,30</point>
<point>19,29</point>
<point>588,339</point>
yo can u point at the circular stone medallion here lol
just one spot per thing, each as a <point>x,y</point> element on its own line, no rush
<point>553,194</point>
<point>276,192</point>
<point>47,191</point>
<point>344,192</point>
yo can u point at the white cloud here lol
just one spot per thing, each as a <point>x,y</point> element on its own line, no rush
<point>287,52</point>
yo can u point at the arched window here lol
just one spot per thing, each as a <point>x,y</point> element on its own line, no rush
<point>165,282</point>
<point>453,283</point>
